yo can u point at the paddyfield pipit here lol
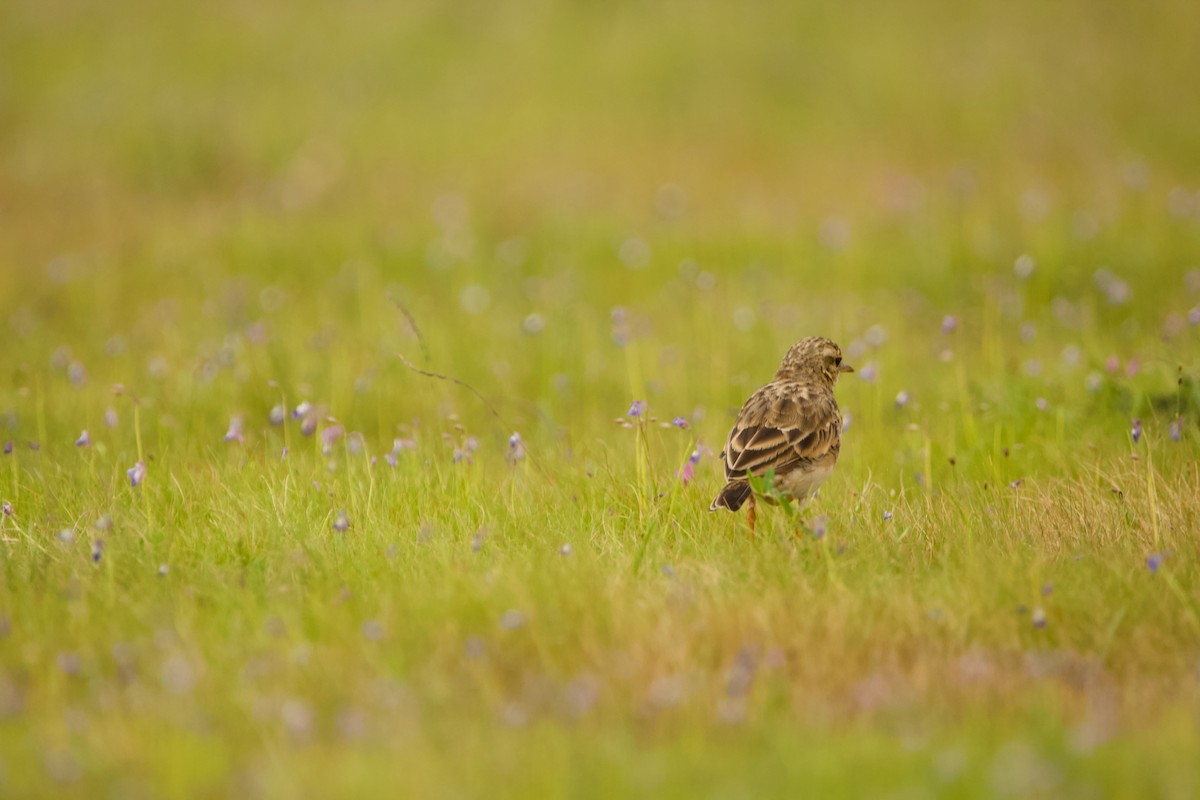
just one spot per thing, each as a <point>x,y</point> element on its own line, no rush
<point>791,426</point>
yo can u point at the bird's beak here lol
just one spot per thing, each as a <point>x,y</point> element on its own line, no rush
<point>845,368</point>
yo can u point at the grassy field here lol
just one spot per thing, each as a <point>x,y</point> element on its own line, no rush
<point>233,236</point>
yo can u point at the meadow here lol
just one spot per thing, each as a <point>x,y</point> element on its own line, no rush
<point>322,325</point>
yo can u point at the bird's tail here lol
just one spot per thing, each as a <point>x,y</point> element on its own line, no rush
<point>732,496</point>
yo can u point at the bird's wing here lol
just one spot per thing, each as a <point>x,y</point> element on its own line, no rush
<point>782,425</point>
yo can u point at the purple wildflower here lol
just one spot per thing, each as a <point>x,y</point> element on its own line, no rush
<point>97,550</point>
<point>949,324</point>
<point>309,426</point>
<point>110,417</point>
<point>1176,430</point>
<point>1193,316</point>
<point>76,373</point>
<point>1115,289</point>
<point>876,335</point>
<point>278,414</point>
<point>256,332</point>
<point>638,409</point>
<point>8,448</point>
<point>1154,561</point>
<point>136,473</point>
<point>235,432</point>
<point>1039,618</point>
<point>84,439</point>
<point>1136,431</point>
<point>303,410</point>
<point>472,444</point>
<point>1024,265</point>
<point>1112,364</point>
<point>516,449</point>
<point>1016,484</point>
<point>6,508</point>
<point>688,471</point>
<point>681,423</point>
<point>818,528</point>
<point>341,522</point>
<point>902,399</point>
<point>887,515</point>
<point>330,436</point>
<point>869,372</point>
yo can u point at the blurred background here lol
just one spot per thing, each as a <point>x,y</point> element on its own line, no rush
<point>234,207</point>
<point>181,181</point>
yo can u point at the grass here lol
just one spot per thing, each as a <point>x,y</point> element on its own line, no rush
<point>211,211</point>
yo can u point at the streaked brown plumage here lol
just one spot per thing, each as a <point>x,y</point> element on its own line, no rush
<point>792,426</point>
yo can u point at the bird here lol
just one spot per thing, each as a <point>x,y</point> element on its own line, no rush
<point>791,426</point>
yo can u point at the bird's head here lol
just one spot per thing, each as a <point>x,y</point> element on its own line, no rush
<point>813,358</point>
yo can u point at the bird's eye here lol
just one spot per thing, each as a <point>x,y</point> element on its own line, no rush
<point>838,361</point>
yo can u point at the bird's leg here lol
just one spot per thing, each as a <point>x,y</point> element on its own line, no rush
<point>751,514</point>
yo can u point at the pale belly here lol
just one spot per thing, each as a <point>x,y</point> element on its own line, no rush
<point>802,484</point>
